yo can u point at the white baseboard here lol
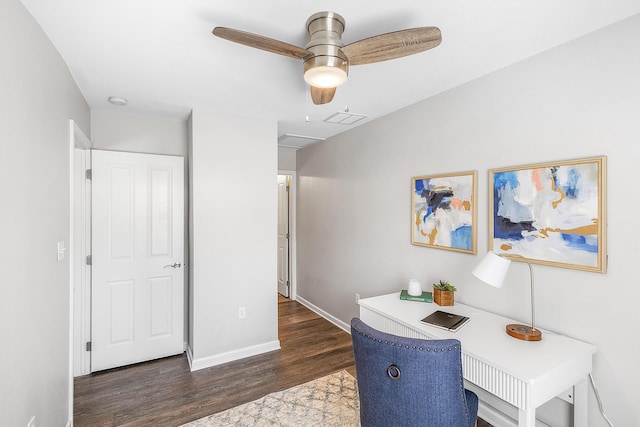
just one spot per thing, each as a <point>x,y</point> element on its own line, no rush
<point>339,323</point>
<point>230,356</point>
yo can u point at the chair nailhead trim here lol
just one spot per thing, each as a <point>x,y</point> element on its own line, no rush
<point>413,347</point>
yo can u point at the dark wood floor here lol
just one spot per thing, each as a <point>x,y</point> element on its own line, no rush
<point>166,393</point>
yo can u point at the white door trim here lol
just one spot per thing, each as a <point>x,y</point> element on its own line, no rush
<point>77,140</point>
<point>81,282</point>
<point>80,243</point>
<point>292,231</point>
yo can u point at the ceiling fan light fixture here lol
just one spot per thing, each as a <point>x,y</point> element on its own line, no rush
<point>325,77</point>
<point>326,71</point>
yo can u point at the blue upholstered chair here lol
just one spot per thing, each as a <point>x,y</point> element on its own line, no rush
<point>409,381</point>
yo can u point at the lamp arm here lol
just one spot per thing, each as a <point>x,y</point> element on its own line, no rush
<point>533,304</point>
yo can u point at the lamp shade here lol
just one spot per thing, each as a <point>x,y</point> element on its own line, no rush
<point>492,269</point>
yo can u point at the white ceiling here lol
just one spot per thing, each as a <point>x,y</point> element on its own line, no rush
<point>162,57</point>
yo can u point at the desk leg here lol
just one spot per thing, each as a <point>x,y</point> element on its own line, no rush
<point>580,403</point>
<point>527,418</point>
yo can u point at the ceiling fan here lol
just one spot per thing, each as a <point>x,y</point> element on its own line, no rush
<point>327,59</point>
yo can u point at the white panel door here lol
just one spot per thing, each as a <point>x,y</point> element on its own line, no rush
<point>137,289</point>
<point>283,235</point>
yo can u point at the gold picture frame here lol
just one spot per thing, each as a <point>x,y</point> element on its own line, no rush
<point>551,213</point>
<point>444,211</point>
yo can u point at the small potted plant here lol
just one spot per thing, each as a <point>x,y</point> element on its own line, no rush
<point>443,293</point>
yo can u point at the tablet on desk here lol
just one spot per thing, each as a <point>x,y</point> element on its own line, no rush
<point>443,320</point>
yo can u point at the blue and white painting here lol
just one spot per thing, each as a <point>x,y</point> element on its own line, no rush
<point>550,214</point>
<point>444,211</point>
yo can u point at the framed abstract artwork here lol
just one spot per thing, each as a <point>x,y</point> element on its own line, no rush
<point>552,213</point>
<point>443,211</point>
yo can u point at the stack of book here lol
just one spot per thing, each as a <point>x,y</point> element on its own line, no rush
<point>425,297</point>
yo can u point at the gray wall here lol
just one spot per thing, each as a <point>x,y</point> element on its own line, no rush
<point>39,98</point>
<point>233,237</point>
<point>579,100</point>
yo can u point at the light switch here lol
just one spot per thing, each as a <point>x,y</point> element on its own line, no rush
<point>61,250</point>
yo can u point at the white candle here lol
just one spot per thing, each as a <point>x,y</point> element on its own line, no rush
<point>415,289</point>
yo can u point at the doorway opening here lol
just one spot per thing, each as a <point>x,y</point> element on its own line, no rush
<point>286,235</point>
<point>156,298</point>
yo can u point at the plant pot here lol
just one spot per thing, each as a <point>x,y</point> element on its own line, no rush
<point>442,298</point>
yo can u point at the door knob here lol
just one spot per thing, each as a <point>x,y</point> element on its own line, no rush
<point>174,265</point>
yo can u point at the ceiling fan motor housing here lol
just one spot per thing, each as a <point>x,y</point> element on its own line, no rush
<point>329,66</point>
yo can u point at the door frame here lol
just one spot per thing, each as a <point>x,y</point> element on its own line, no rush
<point>152,295</point>
<point>79,249</point>
<point>292,233</point>
<point>77,233</point>
<point>80,239</point>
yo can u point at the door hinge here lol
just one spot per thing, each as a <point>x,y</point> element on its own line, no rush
<point>288,188</point>
<point>287,283</point>
<point>88,260</point>
<point>88,346</point>
<point>87,174</point>
<point>287,237</point>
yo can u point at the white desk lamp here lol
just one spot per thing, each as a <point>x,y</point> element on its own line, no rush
<point>492,270</point>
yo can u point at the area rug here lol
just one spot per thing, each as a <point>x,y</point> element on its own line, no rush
<point>325,402</point>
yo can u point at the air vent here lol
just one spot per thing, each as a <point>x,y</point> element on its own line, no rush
<point>296,141</point>
<point>345,118</point>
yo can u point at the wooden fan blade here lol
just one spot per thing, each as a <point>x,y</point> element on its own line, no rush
<point>392,45</point>
<point>261,42</point>
<point>322,95</point>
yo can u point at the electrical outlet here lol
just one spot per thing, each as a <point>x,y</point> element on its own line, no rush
<point>242,312</point>
<point>357,297</point>
<point>32,422</point>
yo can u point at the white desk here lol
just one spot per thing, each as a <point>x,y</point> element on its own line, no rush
<point>524,374</point>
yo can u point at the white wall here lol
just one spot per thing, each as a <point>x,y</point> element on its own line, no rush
<point>122,131</point>
<point>579,100</point>
<point>138,133</point>
<point>287,158</point>
<point>39,98</point>
<point>233,237</point>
